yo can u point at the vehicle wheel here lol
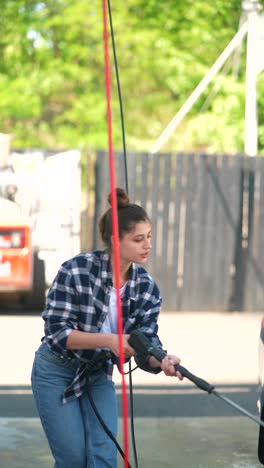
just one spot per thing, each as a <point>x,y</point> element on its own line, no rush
<point>35,299</point>
<point>261,433</point>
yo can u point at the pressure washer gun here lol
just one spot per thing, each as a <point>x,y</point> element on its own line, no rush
<point>143,347</point>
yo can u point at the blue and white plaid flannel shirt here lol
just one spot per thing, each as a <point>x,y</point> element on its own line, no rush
<point>79,300</point>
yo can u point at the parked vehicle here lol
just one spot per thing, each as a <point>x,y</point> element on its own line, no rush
<point>261,393</point>
<point>22,272</point>
<point>40,209</point>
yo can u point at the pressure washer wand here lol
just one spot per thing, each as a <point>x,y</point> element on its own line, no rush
<point>143,347</point>
<point>239,408</point>
<point>203,385</point>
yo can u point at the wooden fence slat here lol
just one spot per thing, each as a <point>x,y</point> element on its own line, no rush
<point>219,246</point>
<point>154,217</point>
<point>175,280</point>
<point>99,181</point>
<point>164,206</point>
<point>196,261</point>
<point>144,180</point>
<point>188,292</point>
<point>260,238</point>
<point>201,294</point>
<point>254,286</point>
<point>225,233</point>
<point>131,163</point>
<point>212,252</point>
<point>233,240</point>
<point>259,253</point>
<point>250,261</point>
<point>227,183</point>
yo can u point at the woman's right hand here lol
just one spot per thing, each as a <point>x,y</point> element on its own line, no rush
<point>114,346</point>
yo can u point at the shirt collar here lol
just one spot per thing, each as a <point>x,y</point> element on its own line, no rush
<point>106,275</point>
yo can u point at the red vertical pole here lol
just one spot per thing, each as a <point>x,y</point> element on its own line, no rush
<point>115,229</point>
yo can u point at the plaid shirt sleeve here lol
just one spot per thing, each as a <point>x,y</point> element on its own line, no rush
<point>62,309</point>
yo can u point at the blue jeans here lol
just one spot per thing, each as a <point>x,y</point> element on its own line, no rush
<point>76,437</point>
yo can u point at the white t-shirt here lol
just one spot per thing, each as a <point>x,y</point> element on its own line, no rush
<point>110,323</point>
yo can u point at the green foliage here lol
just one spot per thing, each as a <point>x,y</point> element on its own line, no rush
<point>52,91</point>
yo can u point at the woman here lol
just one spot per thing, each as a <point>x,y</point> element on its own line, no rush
<point>80,320</point>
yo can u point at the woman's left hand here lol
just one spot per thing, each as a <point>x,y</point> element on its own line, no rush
<point>167,365</point>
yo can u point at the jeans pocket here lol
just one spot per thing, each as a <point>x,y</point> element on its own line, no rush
<point>51,369</point>
<point>44,352</point>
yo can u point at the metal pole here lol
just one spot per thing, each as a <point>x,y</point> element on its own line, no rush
<point>200,88</point>
<point>251,8</point>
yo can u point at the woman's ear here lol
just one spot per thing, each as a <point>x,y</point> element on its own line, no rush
<point>112,241</point>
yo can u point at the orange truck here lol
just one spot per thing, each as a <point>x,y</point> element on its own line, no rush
<point>22,273</point>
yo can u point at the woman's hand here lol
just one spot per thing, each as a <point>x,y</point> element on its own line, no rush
<point>114,346</point>
<point>167,365</point>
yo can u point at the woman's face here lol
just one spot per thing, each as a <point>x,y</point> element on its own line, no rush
<point>135,245</point>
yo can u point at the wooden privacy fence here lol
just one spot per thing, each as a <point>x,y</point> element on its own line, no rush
<point>207,216</point>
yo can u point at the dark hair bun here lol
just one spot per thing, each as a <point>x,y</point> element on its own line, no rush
<point>122,198</point>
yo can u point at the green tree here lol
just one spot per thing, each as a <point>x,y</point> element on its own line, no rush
<point>52,92</point>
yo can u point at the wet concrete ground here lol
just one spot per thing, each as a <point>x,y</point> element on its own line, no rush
<point>161,443</point>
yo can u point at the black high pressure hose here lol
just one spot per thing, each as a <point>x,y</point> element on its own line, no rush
<point>96,364</point>
<point>107,430</point>
<point>122,119</point>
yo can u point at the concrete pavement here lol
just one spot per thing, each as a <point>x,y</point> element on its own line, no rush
<point>220,347</point>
